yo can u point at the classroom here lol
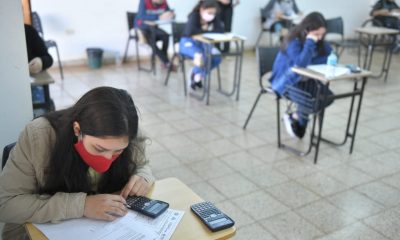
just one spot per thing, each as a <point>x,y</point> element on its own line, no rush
<point>200,119</point>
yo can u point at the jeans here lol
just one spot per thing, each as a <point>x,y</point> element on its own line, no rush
<point>189,47</point>
<point>311,87</point>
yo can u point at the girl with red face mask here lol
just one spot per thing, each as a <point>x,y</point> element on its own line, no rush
<point>70,163</point>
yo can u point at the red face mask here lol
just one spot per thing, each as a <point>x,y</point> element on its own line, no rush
<point>99,163</point>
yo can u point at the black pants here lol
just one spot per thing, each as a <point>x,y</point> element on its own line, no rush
<point>303,92</point>
<point>226,18</point>
<point>159,35</point>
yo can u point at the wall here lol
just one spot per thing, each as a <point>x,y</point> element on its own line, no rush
<point>15,94</point>
<point>78,24</point>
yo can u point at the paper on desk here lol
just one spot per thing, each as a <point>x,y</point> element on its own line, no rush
<point>327,71</point>
<point>133,226</point>
<point>221,36</point>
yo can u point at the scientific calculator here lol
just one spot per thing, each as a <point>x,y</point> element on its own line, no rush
<point>211,216</point>
<point>146,206</point>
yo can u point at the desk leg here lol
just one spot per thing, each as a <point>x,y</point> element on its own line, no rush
<point>364,81</point>
<point>320,117</point>
<point>208,72</point>
<point>240,70</point>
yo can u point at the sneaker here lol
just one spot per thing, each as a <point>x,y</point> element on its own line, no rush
<point>199,84</point>
<point>293,127</point>
<point>191,83</point>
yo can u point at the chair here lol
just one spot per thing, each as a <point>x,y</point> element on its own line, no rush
<point>131,16</point>
<point>336,26</point>
<point>177,30</point>
<point>37,24</point>
<point>265,58</point>
<point>6,153</point>
<point>263,29</point>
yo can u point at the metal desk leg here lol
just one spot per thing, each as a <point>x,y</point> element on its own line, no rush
<point>240,70</point>
<point>364,81</point>
<point>208,72</point>
<point>320,117</point>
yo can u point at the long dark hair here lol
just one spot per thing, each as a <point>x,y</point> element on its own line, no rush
<point>101,112</point>
<point>311,22</point>
<point>205,4</point>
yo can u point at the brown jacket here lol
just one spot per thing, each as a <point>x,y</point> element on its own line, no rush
<point>24,173</point>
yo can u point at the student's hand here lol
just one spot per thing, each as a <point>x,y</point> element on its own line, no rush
<point>167,15</point>
<point>279,15</point>
<point>105,207</point>
<point>311,35</point>
<point>137,186</point>
<point>35,65</point>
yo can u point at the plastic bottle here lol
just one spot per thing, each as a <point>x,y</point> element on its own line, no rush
<point>331,63</point>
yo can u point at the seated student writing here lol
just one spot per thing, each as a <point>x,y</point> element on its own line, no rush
<point>384,12</point>
<point>153,10</point>
<point>69,163</point>
<point>278,14</point>
<point>304,46</point>
<point>203,19</point>
<point>39,59</point>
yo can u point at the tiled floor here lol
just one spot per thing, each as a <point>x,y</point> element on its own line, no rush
<point>271,193</point>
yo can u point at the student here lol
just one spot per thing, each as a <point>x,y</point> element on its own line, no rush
<point>39,59</point>
<point>275,13</point>
<point>204,18</point>
<point>70,163</point>
<point>304,46</point>
<point>383,11</point>
<point>153,10</point>
<point>226,7</point>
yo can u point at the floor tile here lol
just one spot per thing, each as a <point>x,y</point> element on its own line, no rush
<point>291,226</point>
<point>254,204</point>
<point>293,194</point>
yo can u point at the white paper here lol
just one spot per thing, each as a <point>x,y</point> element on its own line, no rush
<point>133,226</point>
<point>221,36</point>
<point>327,70</point>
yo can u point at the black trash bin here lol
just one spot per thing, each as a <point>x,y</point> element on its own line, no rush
<point>95,57</point>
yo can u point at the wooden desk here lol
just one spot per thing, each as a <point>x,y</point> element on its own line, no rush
<point>43,79</point>
<point>208,45</point>
<point>180,197</point>
<point>368,37</point>
<point>316,138</point>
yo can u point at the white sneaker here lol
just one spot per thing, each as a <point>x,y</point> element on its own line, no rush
<point>288,125</point>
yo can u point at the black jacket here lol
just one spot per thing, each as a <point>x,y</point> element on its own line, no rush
<point>193,26</point>
<point>36,47</point>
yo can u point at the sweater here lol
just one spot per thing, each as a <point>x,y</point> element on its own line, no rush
<point>36,47</point>
<point>25,172</point>
<point>296,55</point>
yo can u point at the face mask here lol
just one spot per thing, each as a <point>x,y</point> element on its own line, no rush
<point>99,163</point>
<point>207,17</point>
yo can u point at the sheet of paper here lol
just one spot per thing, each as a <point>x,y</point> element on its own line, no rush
<point>327,70</point>
<point>133,226</point>
<point>219,36</point>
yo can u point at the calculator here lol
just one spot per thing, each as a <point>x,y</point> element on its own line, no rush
<point>146,206</point>
<point>211,216</point>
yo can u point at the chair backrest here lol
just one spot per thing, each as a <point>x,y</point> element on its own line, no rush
<point>177,31</point>
<point>36,23</point>
<point>131,19</point>
<point>266,58</point>
<point>335,25</point>
<point>6,153</point>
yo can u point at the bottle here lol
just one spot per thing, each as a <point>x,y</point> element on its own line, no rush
<point>331,64</point>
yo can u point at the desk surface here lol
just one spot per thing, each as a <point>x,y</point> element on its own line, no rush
<point>319,76</point>
<point>180,197</point>
<point>203,39</point>
<point>42,78</point>
<point>376,30</point>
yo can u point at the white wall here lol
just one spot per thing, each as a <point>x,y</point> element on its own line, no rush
<point>15,94</point>
<point>77,24</point>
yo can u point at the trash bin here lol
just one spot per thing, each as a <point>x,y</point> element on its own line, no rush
<point>95,57</point>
